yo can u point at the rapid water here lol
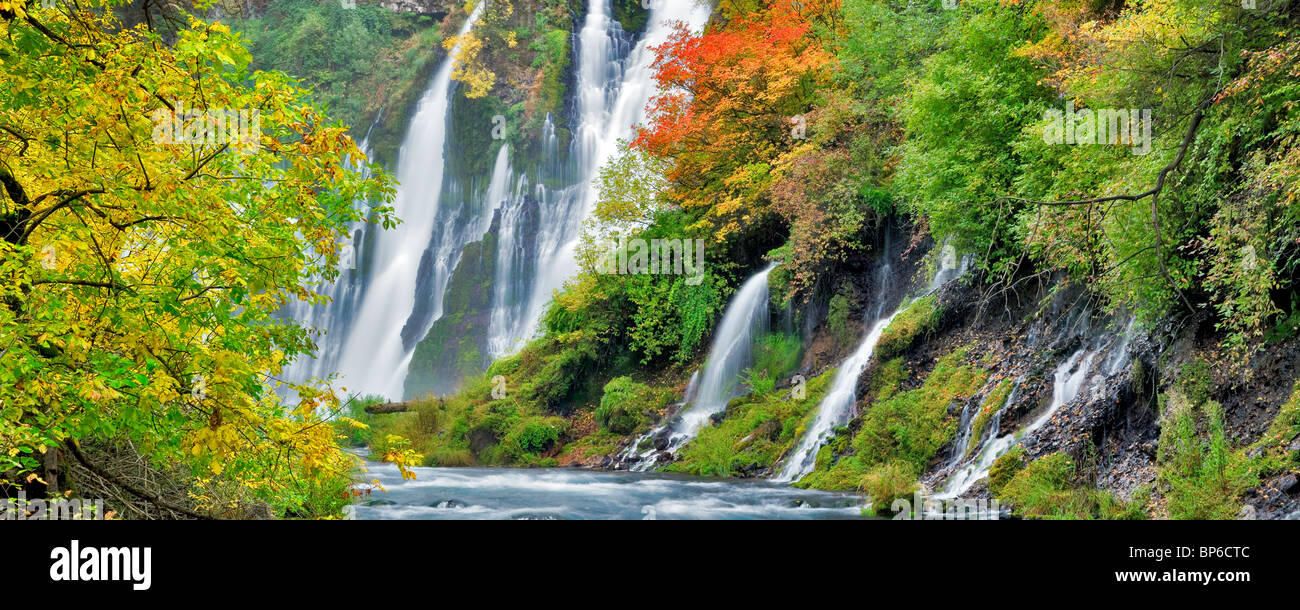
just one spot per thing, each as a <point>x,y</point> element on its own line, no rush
<point>570,493</point>
<point>730,354</point>
<point>614,83</point>
<point>372,359</point>
<point>1067,382</point>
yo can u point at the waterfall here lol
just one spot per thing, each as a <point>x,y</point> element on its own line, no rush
<point>385,310</point>
<point>730,354</point>
<point>1067,382</point>
<point>613,84</point>
<point>344,294</point>
<point>373,357</point>
<point>837,405</point>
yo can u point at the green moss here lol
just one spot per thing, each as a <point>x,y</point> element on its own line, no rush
<point>594,444</point>
<point>757,431</point>
<point>837,317</point>
<point>911,426</point>
<point>902,430</point>
<point>1284,428</point>
<point>631,15</point>
<point>921,316</point>
<point>888,379</point>
<point>1004,468</point>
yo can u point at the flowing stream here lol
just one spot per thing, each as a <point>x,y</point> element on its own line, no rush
<point>570,493</point>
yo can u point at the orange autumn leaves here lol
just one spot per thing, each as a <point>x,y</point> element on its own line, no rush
<point>729,105</point>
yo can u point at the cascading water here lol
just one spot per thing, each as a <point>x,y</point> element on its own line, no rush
<point>729,356</point>
<point>408,269</point>
<point>344,294</point>
<point>373,357</point>
<point>837,405</point>
<point>1066,384</point>
<point>614,83</point>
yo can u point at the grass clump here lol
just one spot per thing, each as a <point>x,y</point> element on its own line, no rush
<point>1201,477</point>
<point>921,316</point>
<point>1048,488</point>
<point>888,482</point>
<point>1004,468</point>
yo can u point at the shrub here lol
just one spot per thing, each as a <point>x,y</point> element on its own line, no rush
<point>889,482</point>
<point>534,435</point>
<point>626,404</point>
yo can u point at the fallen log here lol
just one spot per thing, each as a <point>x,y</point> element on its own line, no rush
<point>388,407</point>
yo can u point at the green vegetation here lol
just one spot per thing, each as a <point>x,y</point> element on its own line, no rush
<point>1004,468</point>
<point>992,403</point>
<point>627,406</point>
<point>888,482</point>
<point>775,356</point>
<point>1048,488</point>
<point>903,431</point>
<point>1200,476</point>
<point>837,317</point>
<point>757,430</point>
<point>921,316</point>
<point>357,62</point>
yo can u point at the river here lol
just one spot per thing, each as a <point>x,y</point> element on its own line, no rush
<point>571,493</point>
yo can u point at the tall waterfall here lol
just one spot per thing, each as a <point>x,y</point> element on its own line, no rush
<point>730,354</point>
<point>614,83</point>
<point>371,359</point>
<point>379,317</point>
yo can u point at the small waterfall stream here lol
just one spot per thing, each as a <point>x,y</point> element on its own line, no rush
<point>730,354</point>
<point>837,405</point>
<point>1067,381</point>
